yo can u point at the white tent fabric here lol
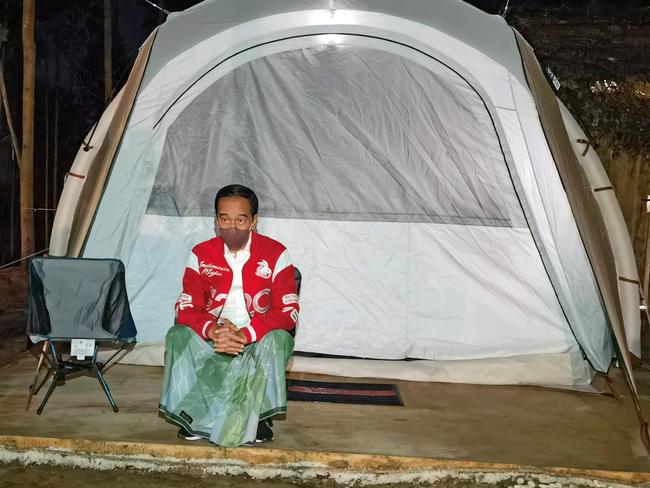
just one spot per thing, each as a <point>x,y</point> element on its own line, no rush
<point>397,153</point>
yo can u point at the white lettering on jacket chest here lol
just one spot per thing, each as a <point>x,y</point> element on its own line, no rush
<point>210,270</point>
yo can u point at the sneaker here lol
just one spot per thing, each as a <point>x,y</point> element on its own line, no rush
<point>264,433</point>
<point>183,433</point>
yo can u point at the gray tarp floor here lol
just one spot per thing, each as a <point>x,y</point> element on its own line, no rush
<point>496,424</point>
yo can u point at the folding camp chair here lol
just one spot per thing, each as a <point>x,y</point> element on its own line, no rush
<point>297,276</point>
<point>82,302</point>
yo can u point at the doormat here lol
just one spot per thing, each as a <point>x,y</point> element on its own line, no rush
<point>353,393</point>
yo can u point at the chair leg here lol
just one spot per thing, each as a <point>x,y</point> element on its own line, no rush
<point>102,381</point>
<point>55,371</point>
<point>43,381</point>
<point>48,394</point>
<point>32,388</point>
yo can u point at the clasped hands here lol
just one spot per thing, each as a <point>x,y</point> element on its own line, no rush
<point>227,338</point>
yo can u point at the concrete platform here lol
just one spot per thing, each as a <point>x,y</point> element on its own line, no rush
<point>441,426</point>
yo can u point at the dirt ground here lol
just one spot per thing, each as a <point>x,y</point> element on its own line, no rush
<point>19,476</point>
<point>13,290</point>
<point>37,476</point>
<point>13,304</point>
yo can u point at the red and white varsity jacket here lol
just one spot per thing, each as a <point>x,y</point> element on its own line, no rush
<point>268,284</point>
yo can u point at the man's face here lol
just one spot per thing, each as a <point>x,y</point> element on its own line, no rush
<point>235,212</point>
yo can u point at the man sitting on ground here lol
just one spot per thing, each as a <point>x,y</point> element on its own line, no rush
<point>226,356</point>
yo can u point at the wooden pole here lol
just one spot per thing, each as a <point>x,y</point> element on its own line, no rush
<point>646,270</point>
<point>108,52</point>
<point>46,204</point>
<point>27,156</point>
<point>13,228</point>
<point>55,184</point>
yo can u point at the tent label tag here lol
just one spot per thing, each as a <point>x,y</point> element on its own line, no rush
<point>82,348</point>
<point>553,78</point>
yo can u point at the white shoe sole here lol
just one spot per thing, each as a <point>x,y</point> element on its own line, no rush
<point>255,442</point>
<point>189,437</point>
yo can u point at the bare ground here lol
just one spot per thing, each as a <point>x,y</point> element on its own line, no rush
<point>14,475</point>
<point>13,306</point>
<point>19,476</point>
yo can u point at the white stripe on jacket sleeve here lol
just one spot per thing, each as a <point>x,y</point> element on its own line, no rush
<point>193,262</point>
<point>283,261</point>
<point>252,332</point>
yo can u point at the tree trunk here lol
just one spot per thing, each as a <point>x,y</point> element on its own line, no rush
<point>27,156</point>
<point>46,199</point>
<point>108,52</point>
<point>55,184</point>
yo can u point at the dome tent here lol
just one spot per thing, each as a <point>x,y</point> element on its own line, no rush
<point>411,156</point>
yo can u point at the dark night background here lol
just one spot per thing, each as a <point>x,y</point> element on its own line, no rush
<point>584,42</point>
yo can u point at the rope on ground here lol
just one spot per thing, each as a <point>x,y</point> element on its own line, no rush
<point>22,259</point>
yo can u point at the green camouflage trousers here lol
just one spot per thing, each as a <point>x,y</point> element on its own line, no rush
<point>221,397</point>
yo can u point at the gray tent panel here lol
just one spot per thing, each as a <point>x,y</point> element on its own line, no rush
<point>487,33</point>
<point>340,132</point>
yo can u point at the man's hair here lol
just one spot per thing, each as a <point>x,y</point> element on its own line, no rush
<point>238,191</point>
